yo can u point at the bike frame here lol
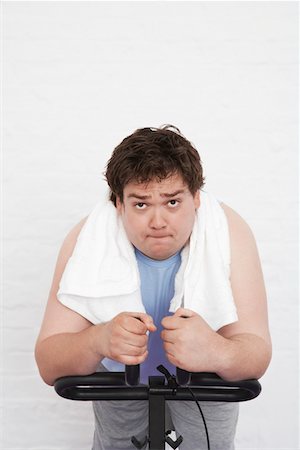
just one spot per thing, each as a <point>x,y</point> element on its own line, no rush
<point>125,386</point>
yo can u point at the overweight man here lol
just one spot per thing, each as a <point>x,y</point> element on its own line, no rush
<point>159,273</point>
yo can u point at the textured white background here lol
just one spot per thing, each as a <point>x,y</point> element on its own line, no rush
<point>77,78</point>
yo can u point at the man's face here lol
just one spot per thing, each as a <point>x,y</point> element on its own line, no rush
<point>158,217</point>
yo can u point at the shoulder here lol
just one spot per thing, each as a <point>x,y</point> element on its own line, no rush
<point>233,218</point>
<point>246,272</point>
<point>69,242</point>
<point>239,230</point>
<point>243,246</point>
<point>66,251</point>
<point>71,238</point>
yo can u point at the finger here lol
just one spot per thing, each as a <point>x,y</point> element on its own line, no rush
<point>133,324</point>
<point>136,340</point>
<point>132,350</point>
<point>184,313</point>
<point>145,319</point>
<point>125,348</point>
<point>171,322</point>
<point>148,321</point>
<point>168,336</point>
<point>132,360</point>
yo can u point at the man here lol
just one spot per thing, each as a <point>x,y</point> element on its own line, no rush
<point>163,273</point>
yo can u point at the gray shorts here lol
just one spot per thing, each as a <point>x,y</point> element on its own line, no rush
<point>117,421</point>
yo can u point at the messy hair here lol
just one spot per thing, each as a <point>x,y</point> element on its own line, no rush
<point>153,154</point>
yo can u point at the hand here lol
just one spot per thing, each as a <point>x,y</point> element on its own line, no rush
<point>124,338</point>
<point>189,342</point>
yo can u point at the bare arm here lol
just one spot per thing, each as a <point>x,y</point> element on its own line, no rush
<point>68,344</point>
<point>237,351</point>
<point>248,341</point>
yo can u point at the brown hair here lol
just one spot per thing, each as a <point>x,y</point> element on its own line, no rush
<point>153,154</point>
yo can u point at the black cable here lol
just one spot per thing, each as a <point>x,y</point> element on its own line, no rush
<point>171,380</point>
<point>202,415</point>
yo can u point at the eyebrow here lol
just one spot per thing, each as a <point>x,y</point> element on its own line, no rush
<point>146,197</point>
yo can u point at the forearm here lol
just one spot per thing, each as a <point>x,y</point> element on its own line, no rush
<point>243,356</point>
<point>67,354</point>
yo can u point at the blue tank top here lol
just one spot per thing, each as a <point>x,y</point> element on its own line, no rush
<point>157,290</point>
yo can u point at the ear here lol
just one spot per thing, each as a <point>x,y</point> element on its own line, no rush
<point>197,201</point>
<point>119,205</point>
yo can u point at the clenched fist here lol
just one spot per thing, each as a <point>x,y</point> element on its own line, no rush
<point>124,338</point>
<point>189,342</point>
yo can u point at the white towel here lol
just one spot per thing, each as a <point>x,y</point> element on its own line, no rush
<point>101,279</point>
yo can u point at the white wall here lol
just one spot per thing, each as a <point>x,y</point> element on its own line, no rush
<point>77,78</point>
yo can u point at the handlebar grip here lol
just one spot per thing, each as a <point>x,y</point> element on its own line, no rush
<point>182,376</point>
<point>132,375</point>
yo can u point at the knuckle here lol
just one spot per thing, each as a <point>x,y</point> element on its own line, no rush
<point>114,355</point>
<point>141,327</point>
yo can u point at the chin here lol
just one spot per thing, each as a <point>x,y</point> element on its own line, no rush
<point>160,255</point>
<point>160,250</point>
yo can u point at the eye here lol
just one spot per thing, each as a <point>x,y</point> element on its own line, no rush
<point>173,203</point>
<point>140,205</point>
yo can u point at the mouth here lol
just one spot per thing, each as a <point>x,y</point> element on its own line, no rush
<point>159,236</point>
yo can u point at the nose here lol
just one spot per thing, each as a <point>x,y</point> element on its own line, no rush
<point>157,221</point>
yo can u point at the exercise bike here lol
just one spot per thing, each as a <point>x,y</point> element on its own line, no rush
<point>200,386</point>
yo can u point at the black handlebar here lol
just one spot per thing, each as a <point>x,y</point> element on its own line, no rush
<point>115,386</point>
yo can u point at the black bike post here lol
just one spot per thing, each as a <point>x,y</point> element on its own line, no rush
<point>156,413</point>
